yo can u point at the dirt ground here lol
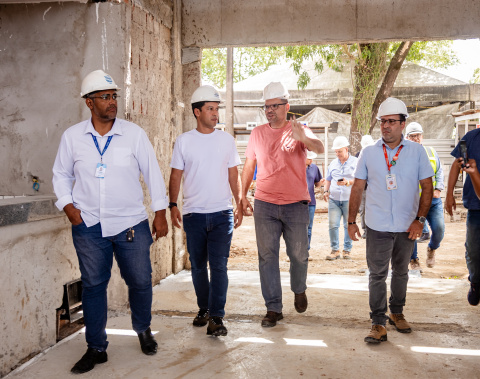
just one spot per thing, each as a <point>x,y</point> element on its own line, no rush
<point>450,257</point>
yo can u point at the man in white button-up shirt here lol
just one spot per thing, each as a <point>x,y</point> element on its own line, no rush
<point>96,179</point>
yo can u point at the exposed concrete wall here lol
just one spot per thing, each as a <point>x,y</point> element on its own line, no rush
<point>33,269</point>
<point>215,23</point>
<point>45,51</point>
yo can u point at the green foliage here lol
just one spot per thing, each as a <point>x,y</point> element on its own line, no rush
<point>432,54</point>
<point>476,76</point>
<point>248,61</point>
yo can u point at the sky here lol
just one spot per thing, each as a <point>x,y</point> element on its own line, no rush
<point>468,53</point>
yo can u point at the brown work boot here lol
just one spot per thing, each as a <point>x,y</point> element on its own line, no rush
<point>398,320</point>
<point>301,302</point>
<point>271,318</point>
<point>335,254</point>
<point>430,257</point>
<point>415,264</point>
<point>377,334</point>
<point>346,255</point>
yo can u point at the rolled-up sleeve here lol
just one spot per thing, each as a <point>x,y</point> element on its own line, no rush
<point>439,178</point>
<point>147,161</point>
<point>63,175</point>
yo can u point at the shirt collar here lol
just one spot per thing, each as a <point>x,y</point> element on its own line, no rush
<point>117,128</point>
<point>380,143</point>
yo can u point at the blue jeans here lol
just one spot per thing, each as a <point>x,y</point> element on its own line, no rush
<point>271,222</point>
<point>209,236</point>
<point>95,256</point>
<point>337,209</point>
<point>311,214</point>
<point>472,246</point>
<point>383,247</point>
<point>437,224</point>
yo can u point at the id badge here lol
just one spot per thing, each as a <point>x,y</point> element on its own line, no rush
<point>100,171</point>
<point>391,182</point>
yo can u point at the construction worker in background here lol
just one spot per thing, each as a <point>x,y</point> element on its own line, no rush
<point>471,201</point>
<point>338,183</point>
<point>96,180</point>
<point>314,179</point>
<point>366,140</point>
<point>208,160</point>
<point>279,148</point>
<point>394,213</point>
<point>414,132</point>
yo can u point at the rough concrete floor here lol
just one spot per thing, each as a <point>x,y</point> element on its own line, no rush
<point>326,341</point>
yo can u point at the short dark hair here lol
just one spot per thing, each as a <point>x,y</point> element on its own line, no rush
<point>402,117</point>
<point>198,105</point>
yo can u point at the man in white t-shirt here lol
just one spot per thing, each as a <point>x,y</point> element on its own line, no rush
<point>208,160</point>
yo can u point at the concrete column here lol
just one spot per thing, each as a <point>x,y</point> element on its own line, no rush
<point>179,256</point>
<point>191,73</point>
<point>229,102</point>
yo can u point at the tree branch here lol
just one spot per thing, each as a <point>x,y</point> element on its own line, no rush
<point>389,79</point>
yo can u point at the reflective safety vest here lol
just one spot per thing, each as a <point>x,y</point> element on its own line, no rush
<point>433,161</point>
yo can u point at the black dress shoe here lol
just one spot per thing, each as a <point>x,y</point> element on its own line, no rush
<point>147,342</point>
<point>89,360</point>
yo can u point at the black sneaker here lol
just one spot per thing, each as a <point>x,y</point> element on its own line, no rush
<point>424,238</point>
<point>89,360</point>
<point>473,296</point>
<point>215,327</point>
<point>202,318</point>
<point>271,318</point>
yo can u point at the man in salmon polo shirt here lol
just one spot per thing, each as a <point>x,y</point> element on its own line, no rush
<point>279,148</point>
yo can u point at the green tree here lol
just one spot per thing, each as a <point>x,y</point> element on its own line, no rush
<point>248,61</point>
<point>375,69</point>
<point>476,76</point>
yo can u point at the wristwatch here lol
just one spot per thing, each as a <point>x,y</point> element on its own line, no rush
<point>421,219</point>
<point>171,205</point>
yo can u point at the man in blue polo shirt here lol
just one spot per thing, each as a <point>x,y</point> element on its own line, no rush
<point>472,203</point>
<point>394,213</point>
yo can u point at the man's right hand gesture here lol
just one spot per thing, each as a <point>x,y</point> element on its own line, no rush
<point>73,214</point>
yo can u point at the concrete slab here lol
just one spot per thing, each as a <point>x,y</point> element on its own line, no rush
<point>325,341</point>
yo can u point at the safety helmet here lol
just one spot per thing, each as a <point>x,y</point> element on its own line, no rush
<point>392,106</point>
<point>340,142</point>
<point>413,128</point>
<point>205,93</point>
<point>275,90</point>
<point>367,140</point>
<point>97,80</point>
<point>311,155</point>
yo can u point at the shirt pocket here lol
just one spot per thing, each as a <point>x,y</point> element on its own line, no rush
<point>122,156</point>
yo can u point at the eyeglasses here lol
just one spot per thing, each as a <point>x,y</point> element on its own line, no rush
<point>105,96</point>
<point>273,106</point>
<point>389,121</point>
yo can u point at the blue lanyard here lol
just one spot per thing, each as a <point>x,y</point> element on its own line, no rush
<point>98,147</point>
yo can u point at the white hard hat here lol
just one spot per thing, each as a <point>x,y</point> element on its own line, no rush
<point>367,140</point>
<point>340,142</point>
<point>392,106</point>
<point>205,93</point>
<point>311,155</point>
<point>413,128</point>
<point>275,90</point>
<point>97,80</point>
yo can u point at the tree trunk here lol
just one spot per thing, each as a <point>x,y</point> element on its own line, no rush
<point>368,71</point>
<point>389,79</point>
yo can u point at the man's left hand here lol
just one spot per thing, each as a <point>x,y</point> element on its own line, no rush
<point>437,193</point>
<point>415,230</point>
<point>159,225</point>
